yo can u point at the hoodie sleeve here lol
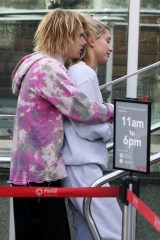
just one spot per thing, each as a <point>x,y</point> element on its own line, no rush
<point>103,131</point>
<point>54,85</point>
<point>89,85</point>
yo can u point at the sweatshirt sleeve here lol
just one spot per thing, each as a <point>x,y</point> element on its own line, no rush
<point>54,85</point>
<point>103,131</point>
<point>89,85</point>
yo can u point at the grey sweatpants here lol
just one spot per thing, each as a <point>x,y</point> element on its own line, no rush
<point>105,211</point>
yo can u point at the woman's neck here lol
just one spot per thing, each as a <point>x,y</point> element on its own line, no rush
<point>91,62</point>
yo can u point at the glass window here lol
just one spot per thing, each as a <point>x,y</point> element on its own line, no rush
<point>20,18</point>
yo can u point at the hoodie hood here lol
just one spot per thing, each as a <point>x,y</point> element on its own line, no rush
<point>22,68</point>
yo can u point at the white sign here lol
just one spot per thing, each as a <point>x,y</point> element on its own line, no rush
<point>132,135</point>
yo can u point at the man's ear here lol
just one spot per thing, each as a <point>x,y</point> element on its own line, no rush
<point>90,41</point>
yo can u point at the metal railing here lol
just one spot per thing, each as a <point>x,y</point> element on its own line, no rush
<point>101,181</point>
<point>115,12</point>
<point>130,75</point>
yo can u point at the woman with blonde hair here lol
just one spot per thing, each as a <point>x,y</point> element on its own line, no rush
<point>45,96</point>
<point>84,151</point>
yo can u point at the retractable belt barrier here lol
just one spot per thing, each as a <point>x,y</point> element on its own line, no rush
<point>144,210</point>
<point>48,192</point>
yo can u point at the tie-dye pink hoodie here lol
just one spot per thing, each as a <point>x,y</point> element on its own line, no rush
<point>45,95</point>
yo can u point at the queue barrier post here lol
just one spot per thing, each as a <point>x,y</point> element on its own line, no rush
<point>129,212</point>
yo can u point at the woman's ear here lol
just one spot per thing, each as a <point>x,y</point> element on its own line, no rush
<point>90,41</point>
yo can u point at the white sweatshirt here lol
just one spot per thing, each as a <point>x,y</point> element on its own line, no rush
<point>85,144</point>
